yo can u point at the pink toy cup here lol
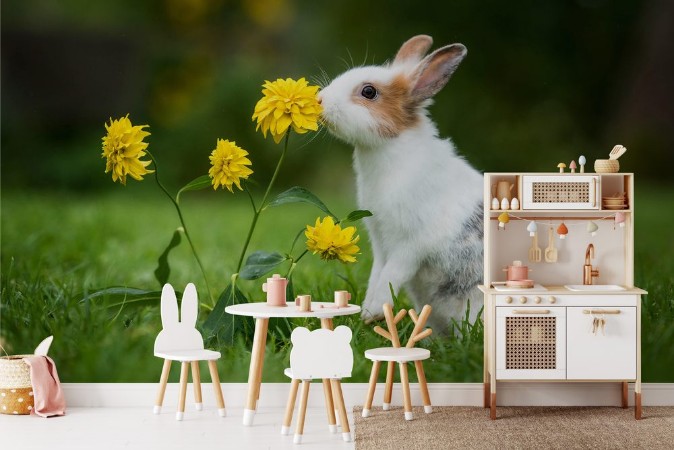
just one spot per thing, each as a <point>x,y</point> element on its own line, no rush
<point>342,298</point>
<point>275,287</point>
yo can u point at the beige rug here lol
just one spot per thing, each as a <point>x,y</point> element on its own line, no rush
<point>516,427</point>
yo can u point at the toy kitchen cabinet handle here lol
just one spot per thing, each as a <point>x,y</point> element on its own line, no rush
<point>531,311</point>
<point>601,311</point>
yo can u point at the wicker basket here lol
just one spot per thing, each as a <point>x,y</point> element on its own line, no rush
<point>16,391</point>
<point>606,166</point>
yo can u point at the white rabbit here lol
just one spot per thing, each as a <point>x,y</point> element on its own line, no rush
<point>426,230</point>
<point>178,335</point>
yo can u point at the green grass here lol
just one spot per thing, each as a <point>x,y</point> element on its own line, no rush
<point>56,249</point>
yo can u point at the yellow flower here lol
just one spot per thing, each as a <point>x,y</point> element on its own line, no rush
<point>228,165</point>
<point>331,241</point>
<point>285,103</point>
<point>123,146</point>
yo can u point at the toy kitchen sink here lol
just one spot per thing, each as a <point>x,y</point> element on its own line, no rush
<point>579,317</point>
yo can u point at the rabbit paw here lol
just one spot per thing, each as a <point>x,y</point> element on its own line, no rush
<point>372,309</point>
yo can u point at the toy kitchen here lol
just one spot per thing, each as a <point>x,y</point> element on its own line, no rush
<point>560,303</point>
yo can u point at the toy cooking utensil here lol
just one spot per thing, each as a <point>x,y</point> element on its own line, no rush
<point>617,152</point>
<point>535,250</point>
<point>551,251</point>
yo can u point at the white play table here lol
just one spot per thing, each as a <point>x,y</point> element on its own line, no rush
<point>261,312</point>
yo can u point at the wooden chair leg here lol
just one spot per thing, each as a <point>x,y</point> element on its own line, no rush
<point>217,389</point>
<point>637,405</point>
<point>624,394</point>
<point>184,370</point>
<point>329,406</point>
<point>162,386</point>
<point>487,394</point>
<point>423,386</point>
<point>341,408</point>
<point>196,382</point>
<point>371,388</point>
<point>290,407</point>
<point>388,389</point>
<point>405,384</point>
<point>299,430</point>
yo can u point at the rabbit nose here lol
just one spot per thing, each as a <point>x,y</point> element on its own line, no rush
<point>319,98</point>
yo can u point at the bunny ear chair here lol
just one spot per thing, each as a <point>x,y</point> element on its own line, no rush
<point>179,340</point>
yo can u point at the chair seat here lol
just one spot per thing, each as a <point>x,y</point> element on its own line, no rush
<point>401,354</point>
<point>189,355</point>
<point>289,373</point>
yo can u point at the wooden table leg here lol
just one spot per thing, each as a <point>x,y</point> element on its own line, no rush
<point>196,382</point>
<point>637,405</point>
<point>331,407</point>
<point>162,386</point>
<point>255,373</point>
<point>217,389</point>
<point>184,370</point>
<point>371,388</point>
<point>487,394</point>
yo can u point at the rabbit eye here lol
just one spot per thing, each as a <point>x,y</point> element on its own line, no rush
<point>369,92</point>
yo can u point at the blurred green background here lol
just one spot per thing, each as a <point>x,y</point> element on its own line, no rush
<point>543,82</point>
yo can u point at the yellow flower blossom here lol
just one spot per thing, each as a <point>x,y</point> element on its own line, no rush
<point>123,147</point>
<point>228,165</point>
<point>287,103</point>
<point>331,242</point>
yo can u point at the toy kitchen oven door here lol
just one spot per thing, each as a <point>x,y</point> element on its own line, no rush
<point>530,343</point>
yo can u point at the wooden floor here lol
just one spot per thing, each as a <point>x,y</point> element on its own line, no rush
<point>138,428</point>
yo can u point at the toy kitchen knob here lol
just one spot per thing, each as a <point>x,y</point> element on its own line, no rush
<point>552,299</point>
<point>523,300</point>
<point>537,299</point>
<point>508,299</point>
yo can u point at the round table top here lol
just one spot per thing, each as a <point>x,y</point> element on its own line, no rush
<point>320,310</point>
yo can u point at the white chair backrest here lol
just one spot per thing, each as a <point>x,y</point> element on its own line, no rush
<point>321,353</point>
<point>178,334</point>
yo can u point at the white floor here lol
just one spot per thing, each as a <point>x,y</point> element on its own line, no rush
<point>137,428</point>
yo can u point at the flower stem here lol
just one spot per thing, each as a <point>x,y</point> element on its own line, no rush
<point>182,222</point>
<point>258,211</point>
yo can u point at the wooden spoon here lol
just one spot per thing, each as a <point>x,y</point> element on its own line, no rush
<point>551,251</point>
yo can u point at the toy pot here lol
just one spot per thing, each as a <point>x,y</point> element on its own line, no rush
<point>503,190</point>
<point>517,272</point>
<point>275,287</point>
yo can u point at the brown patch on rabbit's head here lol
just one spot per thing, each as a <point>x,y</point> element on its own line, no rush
<point>392,106</point>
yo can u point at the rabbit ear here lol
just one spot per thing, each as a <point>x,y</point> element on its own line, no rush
<point>169,307</point>
<point>413,49</point>
<point>189,306</point>
<point>433,72</point>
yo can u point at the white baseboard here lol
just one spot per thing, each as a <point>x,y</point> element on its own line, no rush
<point>118,395</point>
